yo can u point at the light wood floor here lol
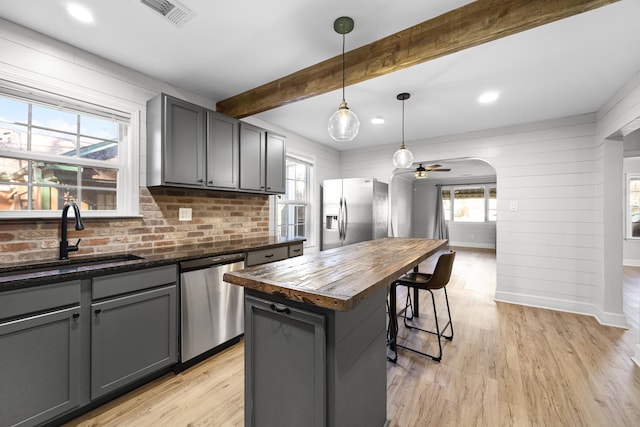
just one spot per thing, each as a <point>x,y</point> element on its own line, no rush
<point>507,365</point>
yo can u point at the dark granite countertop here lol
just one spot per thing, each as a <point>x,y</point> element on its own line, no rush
<point>14,276</point>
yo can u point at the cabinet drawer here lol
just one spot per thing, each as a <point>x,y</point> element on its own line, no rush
<point>295,250</point>
<point>267,255</point>
<point>132,281</point>
<point>38,298</point>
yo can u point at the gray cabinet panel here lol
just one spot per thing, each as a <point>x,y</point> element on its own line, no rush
<point>252,146</point>
<point>222,151</point>
<point>284,339</point>
<point>275,163</point>
<point>131,337</point>
<point>264,256</point>
<point>184,142</point>
<point>133,281</point>
<point>39,367</point>
<point>38,298</point>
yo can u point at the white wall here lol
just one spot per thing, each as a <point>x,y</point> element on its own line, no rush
<point>401,203</point>
<point>548,252</point>
<point>30,58</point>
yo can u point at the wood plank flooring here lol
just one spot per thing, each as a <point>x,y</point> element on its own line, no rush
<point>507,365</point>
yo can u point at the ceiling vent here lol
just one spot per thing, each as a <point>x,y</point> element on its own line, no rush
<point>173,10</point>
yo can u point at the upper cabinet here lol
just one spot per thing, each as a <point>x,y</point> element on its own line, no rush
<point>222,151</point>
<point>190,146</point>
<point>262,160</point>
<point>176,142</point>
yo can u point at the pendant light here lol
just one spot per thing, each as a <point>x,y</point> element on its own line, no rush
<point>343,124</point>
<point>403,158</point>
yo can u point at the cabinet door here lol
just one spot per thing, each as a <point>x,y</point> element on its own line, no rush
<point>39,367</point>
<point>284,339</point>
<point>252,154</point>
<point>275,163</point>
<point>222,151</point>
<point>132,336</point>
<point>184,153</point>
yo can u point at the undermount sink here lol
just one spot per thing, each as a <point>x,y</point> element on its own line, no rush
<point>67,264</point>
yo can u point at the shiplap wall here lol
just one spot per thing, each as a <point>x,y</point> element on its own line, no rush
<point>549,251</point>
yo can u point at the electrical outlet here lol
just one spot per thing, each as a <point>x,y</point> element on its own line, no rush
<point>513,206</point>
<point>184,214</point>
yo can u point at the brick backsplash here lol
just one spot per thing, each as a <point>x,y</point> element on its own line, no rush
<point>216,216</point>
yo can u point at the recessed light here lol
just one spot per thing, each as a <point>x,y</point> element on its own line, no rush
<point>488,97</point>
<point>80,12</point>
<point>377,120</point>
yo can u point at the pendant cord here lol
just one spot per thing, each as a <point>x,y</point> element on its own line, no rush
<point>343,44</point>
<point>403,122</point>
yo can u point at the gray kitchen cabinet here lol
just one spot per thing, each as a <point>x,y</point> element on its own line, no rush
<point>132,334</point>
<point>222,151</point>
<point>284,338</point>
<point>40,352</point>
<point>263,256</point>
<point>175,142</point>
<point>262,160</point>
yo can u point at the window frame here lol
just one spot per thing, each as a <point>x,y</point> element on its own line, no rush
<point>487,196</point>
<point>281,200</point>
<point>128,165</point>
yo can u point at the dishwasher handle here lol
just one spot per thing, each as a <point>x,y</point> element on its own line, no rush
<point>202,263</point>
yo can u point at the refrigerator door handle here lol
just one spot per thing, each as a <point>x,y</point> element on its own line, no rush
<point>346,220</point>
<point>340,234</point>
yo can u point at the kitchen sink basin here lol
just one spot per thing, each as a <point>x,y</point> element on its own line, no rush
<point>67,264</point>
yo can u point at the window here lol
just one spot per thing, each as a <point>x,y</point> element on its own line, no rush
<point>475,203</point>
<point>633,194</point>
<point>293,208</point>
<point>53,150</point>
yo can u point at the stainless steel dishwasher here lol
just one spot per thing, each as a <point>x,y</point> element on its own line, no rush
<point>212,311</point>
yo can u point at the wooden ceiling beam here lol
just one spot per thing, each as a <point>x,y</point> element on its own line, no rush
<point>473,24</point>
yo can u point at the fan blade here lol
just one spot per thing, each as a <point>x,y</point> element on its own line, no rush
<point>431,166</point>
<point>439,170</point>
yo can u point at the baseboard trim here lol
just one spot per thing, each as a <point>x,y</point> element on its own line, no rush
<point>472,245</point>
<point>604,318</point>
<point>627,262</point>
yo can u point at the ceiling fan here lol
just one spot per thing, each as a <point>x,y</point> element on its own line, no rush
<point>423,171</point>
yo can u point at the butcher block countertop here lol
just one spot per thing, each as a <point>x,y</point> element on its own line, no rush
<point>340,278</point>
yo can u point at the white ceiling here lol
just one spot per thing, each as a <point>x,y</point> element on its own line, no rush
<point>568,67</point>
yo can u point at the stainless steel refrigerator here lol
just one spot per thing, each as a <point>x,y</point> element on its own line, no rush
<point>353,210</point>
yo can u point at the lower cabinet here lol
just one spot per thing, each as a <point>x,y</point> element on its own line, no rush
<point>64,345</point>
<point>131,337</point>
<point>283,338</point>
<point>39,367</point>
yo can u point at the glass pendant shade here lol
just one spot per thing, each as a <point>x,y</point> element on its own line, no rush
<point>343,124</point>
<point>403,158</point>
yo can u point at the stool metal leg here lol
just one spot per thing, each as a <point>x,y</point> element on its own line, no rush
<point>438,333</point>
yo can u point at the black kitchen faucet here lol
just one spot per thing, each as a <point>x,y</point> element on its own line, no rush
<point>65,247</point>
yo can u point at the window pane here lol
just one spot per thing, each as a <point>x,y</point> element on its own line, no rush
<point>54,119</point>
<point>446,204</point>
<point>98,149</point>
<point>51,142</point>
<point>96,199</point>
<point>492,209</point>
<point>301,172</point>
<point>13,110</point>
<point>13,136</point>
<point>99,128</point>
<point>468,205</point>
<point>634,206</point>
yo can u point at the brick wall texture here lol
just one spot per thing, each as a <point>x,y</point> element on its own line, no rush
<point>216,216</point>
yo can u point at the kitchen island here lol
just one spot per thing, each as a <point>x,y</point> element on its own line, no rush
<point>315,333</point>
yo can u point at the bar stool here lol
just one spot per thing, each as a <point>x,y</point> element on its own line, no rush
<point>430,282</point>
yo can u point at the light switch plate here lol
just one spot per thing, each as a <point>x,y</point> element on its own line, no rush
<point>513,206</point>
<point>184,214</point>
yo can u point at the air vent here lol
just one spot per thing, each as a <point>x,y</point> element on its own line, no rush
<point>174,11</point>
